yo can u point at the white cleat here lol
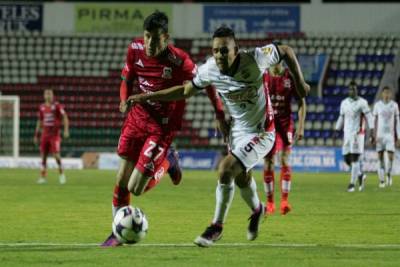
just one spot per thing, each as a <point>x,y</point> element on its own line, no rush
<point>350,188</point>
<point>212,234</point>
<point>389,181</point>
<point>41,180</point>
<point>361,181</point>
<point>62,178</point>
<point>382,184</point>
<point>255,220</point>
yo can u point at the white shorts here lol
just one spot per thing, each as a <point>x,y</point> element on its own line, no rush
<point>250,148</point>
<point>385,143</point>
<point>353,144</point>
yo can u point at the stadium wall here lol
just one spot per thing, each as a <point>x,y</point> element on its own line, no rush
<point>187,19</point>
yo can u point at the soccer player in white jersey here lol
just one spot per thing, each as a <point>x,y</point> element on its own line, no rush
<point>387,123</point>
<point>353,111</point>
<point>238,79</point>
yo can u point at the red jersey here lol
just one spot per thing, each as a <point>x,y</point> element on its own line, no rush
<point>281,90</point>
<point>51,118</point>
<point>154,74</point>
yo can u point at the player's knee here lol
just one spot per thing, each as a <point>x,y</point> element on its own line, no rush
<point>242,181</point>
<point>134,189</point>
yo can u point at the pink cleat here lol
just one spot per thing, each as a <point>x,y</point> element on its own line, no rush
<point>270,208</point>
<point>111,241</point>
<point>174,169</point>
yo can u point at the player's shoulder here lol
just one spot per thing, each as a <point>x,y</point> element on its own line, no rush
<point>42,106</point>
<point>177,56</point>
<point>137,44</point>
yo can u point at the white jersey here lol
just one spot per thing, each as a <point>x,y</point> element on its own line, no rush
<point>352,114</point>
<point>243,93</point>
<point>386,119</point>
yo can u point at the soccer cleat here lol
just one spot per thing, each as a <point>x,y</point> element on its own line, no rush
<point>174,169</point>
<point>62,178</point>
<point>255,220</point>
<point>41,180</point>
<point>361,181</point>
<point>270,208</point>
<point>285,207</point>
<point>212,234</point>
<point>389,180</point>
<point>350,188</point>
<point>111,241</point>
<point>382,184</point>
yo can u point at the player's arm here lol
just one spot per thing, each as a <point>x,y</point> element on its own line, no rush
<point>37,131</point>
<point>66,125</point>
<point>216,102</point>
<point>340,122</point>
<point>127,76</point>
<point>397,122</point>
<point>174,93</point>
<point>302,118</point>
<point>288,55</point>
<point>125,90</point>
<point>370,121</point>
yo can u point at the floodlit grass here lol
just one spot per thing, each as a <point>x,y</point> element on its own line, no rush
<point>55,225</point>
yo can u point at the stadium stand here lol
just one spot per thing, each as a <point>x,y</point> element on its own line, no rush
<point>84,71</point>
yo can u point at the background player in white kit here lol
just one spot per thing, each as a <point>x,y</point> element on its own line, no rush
<point>238,79</point>
<point>387,123</point>
<point>353,111</point>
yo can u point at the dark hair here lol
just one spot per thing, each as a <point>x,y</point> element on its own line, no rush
<point>386,88</point>
<point>156,20</point>
<point>224,31</point>
<point>353,83</point>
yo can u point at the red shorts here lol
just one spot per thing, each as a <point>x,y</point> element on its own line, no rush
<point>50,144</point>
<point>144,145</point>
<point>283,138</point>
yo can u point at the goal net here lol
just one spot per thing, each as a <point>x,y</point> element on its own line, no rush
<point>9,126</point>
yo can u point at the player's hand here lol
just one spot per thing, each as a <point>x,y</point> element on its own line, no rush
<point>303,89</point>
<point>35,140</point>
<point>223,127</point>
<point>372,140</point>
<point>299,134</point>
<point>138,98</point>
<point>123,106</point>
<point>66,134</point>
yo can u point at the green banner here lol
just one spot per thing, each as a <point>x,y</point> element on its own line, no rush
<point>116,18</point>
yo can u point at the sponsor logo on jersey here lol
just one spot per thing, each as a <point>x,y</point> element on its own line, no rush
<point>167,73</point>
<point>287,83</point>
<point>174,59</point>
<point>249,95</point>
<point>138,46</point>
<point>139,63</point>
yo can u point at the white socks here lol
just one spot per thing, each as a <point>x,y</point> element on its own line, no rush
<point>224,196</point>
<point>355,168</point>
<point>249,194</point>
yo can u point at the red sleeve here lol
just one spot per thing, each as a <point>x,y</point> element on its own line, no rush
<point>188,69</point>
<point>127,72</point>
<point>125,90</point>
<point>40,114</point>
<point>60,109</point>
<point>216,102</point>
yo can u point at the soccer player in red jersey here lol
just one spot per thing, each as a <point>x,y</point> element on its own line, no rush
<point>51,116</point>
<point>281,86</point>
<point>150,127</point>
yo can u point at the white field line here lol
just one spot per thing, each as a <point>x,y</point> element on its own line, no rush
<point>277,245</point>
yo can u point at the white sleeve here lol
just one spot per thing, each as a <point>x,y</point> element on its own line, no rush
<point>397,120</point>
<point>202,79</point>
<point>339,122</point>
<point>368,115</point>
<point>267,56</point>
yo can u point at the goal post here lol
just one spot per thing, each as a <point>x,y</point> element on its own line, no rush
<point>9,126</point>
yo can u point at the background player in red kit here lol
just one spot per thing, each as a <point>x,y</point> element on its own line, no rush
<point>149,128</point>
<point>282,89</point>
<point>51,116</point>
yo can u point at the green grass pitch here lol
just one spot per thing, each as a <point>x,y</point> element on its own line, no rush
<point>54,225</point>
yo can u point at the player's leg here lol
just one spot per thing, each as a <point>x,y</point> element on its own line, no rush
<point>248,191</point>
<point>269,183</point>
<point>354,171</point>
<point>361,175</point>
<point>285,181</point>
<point>121,196</point>
<point>381,168</point>
<point>44,152</point>
<point>228,169</point>
<point>55,148</point>
<point>174,170</point>
<point>389,168</point>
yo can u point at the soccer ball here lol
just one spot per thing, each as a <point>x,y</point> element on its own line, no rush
<point>130,225</point>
